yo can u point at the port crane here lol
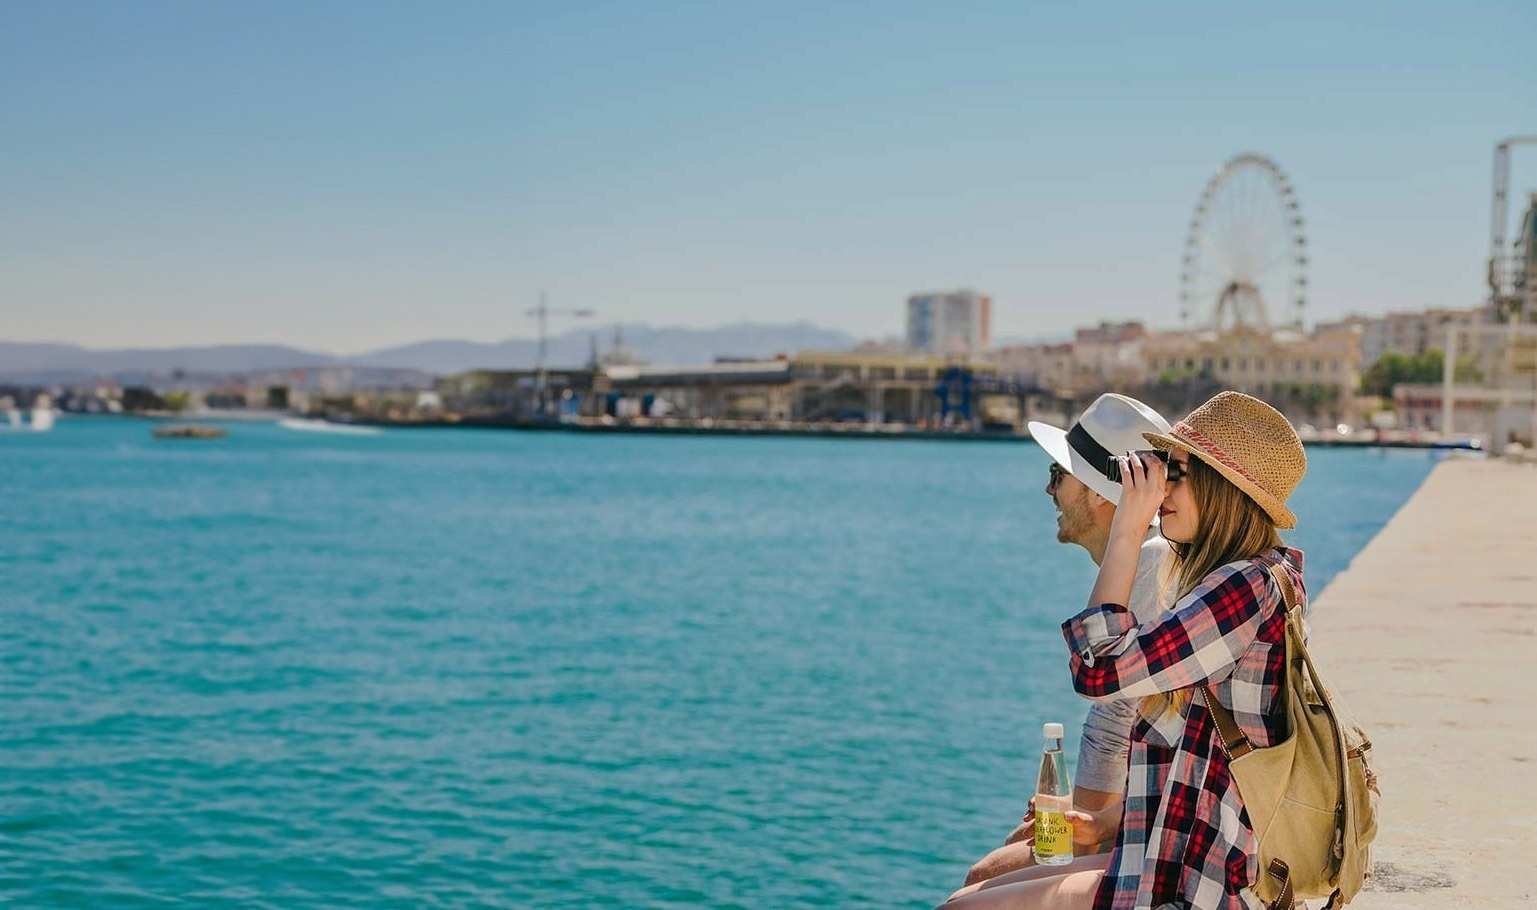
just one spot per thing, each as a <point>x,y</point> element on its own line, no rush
<point>1510,287</point>
<point>543,312</point>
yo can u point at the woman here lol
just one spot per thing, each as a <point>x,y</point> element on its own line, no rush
<point>1184,839</point>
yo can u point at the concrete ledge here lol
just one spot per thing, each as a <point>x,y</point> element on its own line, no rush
<point>1431,637</point>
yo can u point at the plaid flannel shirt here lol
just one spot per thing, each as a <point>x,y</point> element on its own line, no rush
<point>1185,839</point>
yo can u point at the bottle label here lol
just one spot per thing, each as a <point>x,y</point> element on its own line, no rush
<point>1053,832</point>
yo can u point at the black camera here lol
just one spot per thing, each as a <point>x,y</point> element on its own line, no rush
<point>1171,471</point>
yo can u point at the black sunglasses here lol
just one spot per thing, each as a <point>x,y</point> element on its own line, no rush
<point>1057,473</point>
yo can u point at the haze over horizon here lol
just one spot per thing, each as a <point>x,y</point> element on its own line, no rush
<point>345,179</point>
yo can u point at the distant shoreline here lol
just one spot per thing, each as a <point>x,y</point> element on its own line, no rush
<point>751,428</point>
<point>835,431</point>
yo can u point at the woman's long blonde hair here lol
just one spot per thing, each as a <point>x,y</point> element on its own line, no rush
<point>1230,526</point>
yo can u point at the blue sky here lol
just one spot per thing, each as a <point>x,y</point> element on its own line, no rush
<point>345,176</point>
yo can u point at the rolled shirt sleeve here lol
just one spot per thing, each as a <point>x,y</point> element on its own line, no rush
<point>1198,641</point>
<point>1098,630</point>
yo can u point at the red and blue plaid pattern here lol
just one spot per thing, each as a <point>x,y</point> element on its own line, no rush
<point>1185,839</point>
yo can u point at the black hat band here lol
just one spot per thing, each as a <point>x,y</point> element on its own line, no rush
<point>1089,449</point>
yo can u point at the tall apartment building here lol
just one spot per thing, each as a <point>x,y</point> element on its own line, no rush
<point>950,323</point>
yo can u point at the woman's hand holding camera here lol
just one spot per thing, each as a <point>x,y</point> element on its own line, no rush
<point>1144,481</point>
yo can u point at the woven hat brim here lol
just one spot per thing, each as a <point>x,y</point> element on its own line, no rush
<point>1283,517</point>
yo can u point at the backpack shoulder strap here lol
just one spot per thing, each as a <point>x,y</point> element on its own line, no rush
<point>1288,591</point>
<point>1234,741</point>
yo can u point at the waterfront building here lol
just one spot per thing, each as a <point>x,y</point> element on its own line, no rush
<point>1112,353</point>
<point>957,323</point>
<point>1352,325</point>
<point>865,385</point>
<point>1492,389</point>
<point>1308,377</point>
<point>1049,365</point>
<point>888,347</point>
<point>512,395</point>
<point>1408,333</point>
<point>894,388</point>
<point>1105,357</point>
<point>727,389</point>
<point>1412,333</point>
<point>1420,407</point>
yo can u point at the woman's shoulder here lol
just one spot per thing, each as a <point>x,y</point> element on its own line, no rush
<point>1289,559</point>
<point>1250,575</point>
<point>1286,557</point>
<point>1255,574</point>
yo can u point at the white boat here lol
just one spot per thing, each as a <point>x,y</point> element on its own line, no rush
<point>325,426</point>
<point>39,419</point>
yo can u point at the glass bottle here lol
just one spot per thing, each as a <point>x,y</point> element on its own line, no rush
<point>1053,797</point>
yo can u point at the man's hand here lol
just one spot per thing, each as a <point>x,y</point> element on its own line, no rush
<point>1027,827</point>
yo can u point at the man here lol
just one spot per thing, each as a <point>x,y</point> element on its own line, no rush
<point>1086,496</point>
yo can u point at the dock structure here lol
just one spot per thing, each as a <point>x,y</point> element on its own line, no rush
<point>1431,637</point>
<point>854,388</point>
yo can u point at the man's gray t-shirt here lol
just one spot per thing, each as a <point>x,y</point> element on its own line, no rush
<point>1106,740</point>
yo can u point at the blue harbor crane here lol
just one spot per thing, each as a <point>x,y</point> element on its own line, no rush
<point>960,389</point>
<point>955,394</point>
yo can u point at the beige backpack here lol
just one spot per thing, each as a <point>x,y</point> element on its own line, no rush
<point>1312,798</point>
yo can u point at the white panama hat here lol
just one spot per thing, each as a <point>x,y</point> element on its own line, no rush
<point>1113,425</point>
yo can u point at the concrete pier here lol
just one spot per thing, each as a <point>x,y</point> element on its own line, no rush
<point>1431,636</point>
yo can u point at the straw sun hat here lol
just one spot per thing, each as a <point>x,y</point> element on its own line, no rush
<point>1249,443</point>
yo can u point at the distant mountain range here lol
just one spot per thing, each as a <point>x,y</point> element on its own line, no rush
<point>672,346</point>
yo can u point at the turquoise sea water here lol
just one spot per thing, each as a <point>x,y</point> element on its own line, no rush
<point>464,669</point>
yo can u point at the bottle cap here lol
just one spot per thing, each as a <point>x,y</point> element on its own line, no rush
<point>1052,731</point>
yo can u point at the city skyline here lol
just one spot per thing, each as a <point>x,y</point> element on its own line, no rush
<point>343,179</point>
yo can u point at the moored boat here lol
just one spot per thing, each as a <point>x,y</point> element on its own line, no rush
<point>190,431</point>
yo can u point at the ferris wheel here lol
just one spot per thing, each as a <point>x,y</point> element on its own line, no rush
<point>1245,252</point>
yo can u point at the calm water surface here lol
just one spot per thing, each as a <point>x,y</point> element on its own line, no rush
<point>458,669</point>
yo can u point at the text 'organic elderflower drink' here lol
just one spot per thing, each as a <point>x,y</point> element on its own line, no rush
<point>1053,797</point>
